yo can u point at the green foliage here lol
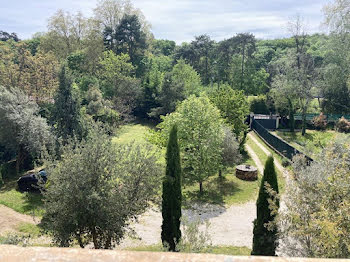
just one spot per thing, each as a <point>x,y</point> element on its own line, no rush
<point>315,221</point>
<point>177,85</point>
<point>21,127</point>
<point>8,169</point>
<point>67,109</point>
<point>114,70</point>
<point>258,105</point>
<point>265,239</point>
<point>99,108</point>
<point>131,40</point>
<point>233,107</point>
<point>163,47</point>
<point>194,240</point>
<point>200,136</point>
<point>172,196</point>
<point>96,188</point>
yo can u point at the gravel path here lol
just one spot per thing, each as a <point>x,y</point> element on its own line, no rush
<point>10,219</point>
<point>228,226</point>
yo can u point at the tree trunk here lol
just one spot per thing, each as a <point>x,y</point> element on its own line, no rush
<point>220,173</point>
<point>303,130</point>
<point>23,160</point>
<point>94,238</point>
<point>200,187</point>
<point>291,116</point>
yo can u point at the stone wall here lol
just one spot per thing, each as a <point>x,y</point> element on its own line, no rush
<point>46,254</point>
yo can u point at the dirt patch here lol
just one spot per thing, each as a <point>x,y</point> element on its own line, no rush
<point>10,219</point>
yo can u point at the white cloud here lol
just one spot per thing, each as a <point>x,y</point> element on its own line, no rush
<point>178,20</point>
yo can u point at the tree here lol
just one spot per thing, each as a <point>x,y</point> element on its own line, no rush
<point>67,108</point>
<point>177,85</point>
<point>303,69</point>
<point>129,39</point>
<point>314,222</point>
<point>163,47</point>
<point>108,14</point>
<point>230,150</point>
<point>335,73</point>
<point>69,33</point>
<point>4,36</point>
<point>265,239</point>
<point>114,69</point>
<point>96,188</point>
<point>233,106</point>
<point>200,134</point>
<point>172,196</point>
<point>36,75</point>
<point>21,127</point>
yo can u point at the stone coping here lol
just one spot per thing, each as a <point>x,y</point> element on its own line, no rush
<point>47,254</point>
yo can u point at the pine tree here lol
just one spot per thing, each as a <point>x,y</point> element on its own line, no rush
<point>264,240</point>
<point>172,196</point>
<point>67,108</point>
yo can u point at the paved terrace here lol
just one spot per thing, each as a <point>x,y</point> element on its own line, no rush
<point>43,254</point>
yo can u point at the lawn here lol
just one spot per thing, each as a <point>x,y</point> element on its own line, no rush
<point>312,143</point>
<point>25,203</point>
<point>223,250</point>
<point>227,190</point>
<point>263,157</point>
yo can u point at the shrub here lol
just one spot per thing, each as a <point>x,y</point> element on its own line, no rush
<point>194,239</point>
<point>285,162</point>
<point>320,122</point>
<point>8,170</point>
<point>258,105</point>
<point>264,239</point>
<point>343,125</point>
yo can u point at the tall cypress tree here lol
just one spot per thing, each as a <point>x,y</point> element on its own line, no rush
<point>172,196</point>
<point>264,240</point>
<point>67,108</point>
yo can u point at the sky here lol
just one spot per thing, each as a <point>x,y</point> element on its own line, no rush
<point>178,20</point>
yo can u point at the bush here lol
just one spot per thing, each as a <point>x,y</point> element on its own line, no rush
<point>285,162</point>
<point>343,125</point>
<point>258,105</point>
<point>320,122</point>
<point>8,170</point>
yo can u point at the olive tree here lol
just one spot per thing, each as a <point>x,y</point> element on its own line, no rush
<point>22,129</point>
<point>97,188</point>
<point>315,219</point>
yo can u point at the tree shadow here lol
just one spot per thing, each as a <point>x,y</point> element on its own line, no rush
<point>33,202</point>
<point>214,192</point>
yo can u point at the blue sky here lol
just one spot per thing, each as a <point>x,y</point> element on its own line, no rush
<point>178,20</point>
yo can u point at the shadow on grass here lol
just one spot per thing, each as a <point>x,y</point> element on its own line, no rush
<point>33,203</point>
<point>214,191</point>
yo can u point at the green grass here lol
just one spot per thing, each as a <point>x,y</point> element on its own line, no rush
<point>223,250</point>
<point>25,203</point>
<point>228,190</point>
<point>312,143</point>
<point>130,133</point>
<point>263,157</point>
<point>29,229</point>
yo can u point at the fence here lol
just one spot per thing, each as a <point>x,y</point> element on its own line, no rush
<point>275,142</point>
<point>329,117</point>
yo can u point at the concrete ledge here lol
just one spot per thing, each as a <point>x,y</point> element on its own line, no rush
<point>43,254</point>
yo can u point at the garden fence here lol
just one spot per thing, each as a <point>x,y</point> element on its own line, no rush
<point>275,142</point>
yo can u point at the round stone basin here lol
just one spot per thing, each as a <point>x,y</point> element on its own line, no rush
<point>247,172</point>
